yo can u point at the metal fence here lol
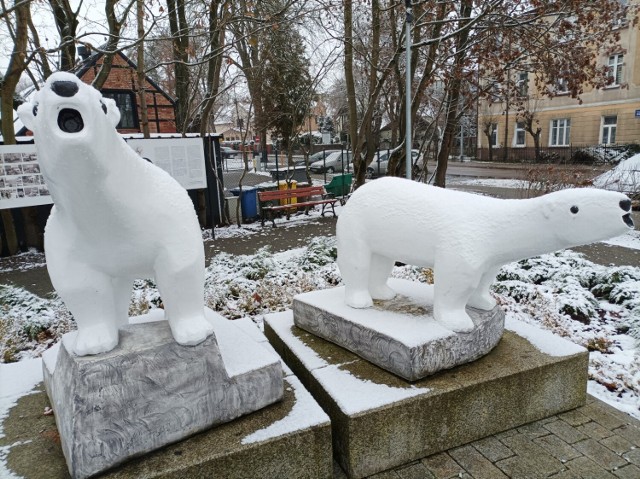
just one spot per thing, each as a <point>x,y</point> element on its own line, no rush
<point>572,154</point>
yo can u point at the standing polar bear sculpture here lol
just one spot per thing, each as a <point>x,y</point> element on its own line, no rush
<point>466,238</point>
<point>116,217</point>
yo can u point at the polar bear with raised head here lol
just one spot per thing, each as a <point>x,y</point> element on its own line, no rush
<point>116,217</point>
<point>466,238</point>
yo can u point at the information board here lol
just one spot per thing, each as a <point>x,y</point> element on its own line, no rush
<point>21,182</point>
<point>182,158</point>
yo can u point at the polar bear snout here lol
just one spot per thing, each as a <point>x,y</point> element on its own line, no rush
<point>64,88</point>
<point>625,204</point>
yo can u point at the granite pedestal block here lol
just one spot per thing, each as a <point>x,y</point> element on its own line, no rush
<point>150,391</point>
<point>380,421</point>
<point>399,335</point>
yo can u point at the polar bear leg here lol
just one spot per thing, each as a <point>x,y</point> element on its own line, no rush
<point>122,298</point>
<point>455,282</point>
<point>354,262</point>
<point>481,297</point>
<point>379,272</point>
<point>89,296</point>
<point>183,297</point>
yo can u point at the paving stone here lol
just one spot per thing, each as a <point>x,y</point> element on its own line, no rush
<point>442,466</point>
<point>385,475</point>
<point>617,444</point>
<point>415,471</point>
<point>557,448</point>
<point>587,469</point>
<point>574,417</point>
<point>565,475</point>
<point>633,456</point>
<point>532,456</point>
<point>628,472</point>
<point>601,413</point>
<point>600,454</point>
<point>565,432</point>
<point>492,449</point>
<point>519,467</point>
<point>475,463</point>
<point>534,429</point>
<point>630,432</point>
<point>594,430</point>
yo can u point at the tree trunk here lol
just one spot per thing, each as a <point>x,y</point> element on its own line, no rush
<point>453,95</point>
<point>142,93</point>
<point>180,38</point>
<point>67,23</point>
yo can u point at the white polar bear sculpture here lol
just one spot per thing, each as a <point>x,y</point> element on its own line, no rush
<point>466,238</point>
<point>116,217</point>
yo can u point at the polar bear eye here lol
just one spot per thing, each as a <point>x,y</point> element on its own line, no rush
<point>574,209</point>
<point>35,110</point>
<point>104,107</point>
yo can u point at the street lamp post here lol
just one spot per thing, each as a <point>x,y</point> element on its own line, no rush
<point>408,143</point>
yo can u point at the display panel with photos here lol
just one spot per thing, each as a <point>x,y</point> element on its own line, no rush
<point>21,181</point>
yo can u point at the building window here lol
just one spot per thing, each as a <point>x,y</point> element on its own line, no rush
<point>519,138</point>
<point>560,132</point>
<point>615,68</point>
<point>562,85</point>
<point>494,134</point>
<point>522,84</point>
<point>126,103</point>
<point>609,127</point>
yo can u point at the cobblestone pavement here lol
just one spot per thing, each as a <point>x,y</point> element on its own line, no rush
<point>594,441</point>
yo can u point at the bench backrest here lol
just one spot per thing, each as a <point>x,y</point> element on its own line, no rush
<point>339,185</point>
<point>291,193</point>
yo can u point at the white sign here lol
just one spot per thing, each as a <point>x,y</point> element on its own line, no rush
<point>21,182</point>
<point>182,158</point>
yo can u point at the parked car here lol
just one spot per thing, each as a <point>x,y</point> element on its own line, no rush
<point>227,152</point>
<point>336,162</point>
<point>380,163</point>
<point>319,156</point>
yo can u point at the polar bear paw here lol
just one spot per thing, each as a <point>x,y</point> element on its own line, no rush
<point>383,292</point>
<point>485,302</point>
<point>457,321</point>
<point>190,331</point>
<point>358,299</point>
<point>95,339</point>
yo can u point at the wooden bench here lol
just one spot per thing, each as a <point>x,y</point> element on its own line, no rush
<point>292,199</point>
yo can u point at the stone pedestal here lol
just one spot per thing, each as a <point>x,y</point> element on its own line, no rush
<point>399,335</point>
<point>150,391</point>
<point>380,421</point>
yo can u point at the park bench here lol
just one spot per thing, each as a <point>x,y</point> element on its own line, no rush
<point>340,187</point>
<point>272,202</point>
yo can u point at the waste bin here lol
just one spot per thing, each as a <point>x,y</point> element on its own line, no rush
<point>248,202</point>
<point>283,185</point>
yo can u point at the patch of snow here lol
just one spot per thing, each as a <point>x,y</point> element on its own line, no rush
<point>544,341</point>
<point>50,357</point>
<point>304,414</point>
<point>16,380</point>
<point>629,240</point>
<point>354,395</point>
<point>624,177</point>
<point>411,331</point>
<point>489,182</point>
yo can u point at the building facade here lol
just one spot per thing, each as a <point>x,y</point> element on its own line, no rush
<point>605,117</point>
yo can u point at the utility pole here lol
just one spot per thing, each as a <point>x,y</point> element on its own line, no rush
<point>408,142</point>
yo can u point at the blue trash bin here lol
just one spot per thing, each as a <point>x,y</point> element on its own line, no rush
<point>248,202</point>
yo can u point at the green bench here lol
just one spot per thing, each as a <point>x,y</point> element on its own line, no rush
<point>340,186</point>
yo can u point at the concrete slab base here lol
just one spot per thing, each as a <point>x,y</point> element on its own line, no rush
<point>150,391</point>
<point>399,335</point>
<point>380,421</point>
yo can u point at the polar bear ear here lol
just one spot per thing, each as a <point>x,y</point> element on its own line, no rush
<point>112,111</point>
<point>27,113</point>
